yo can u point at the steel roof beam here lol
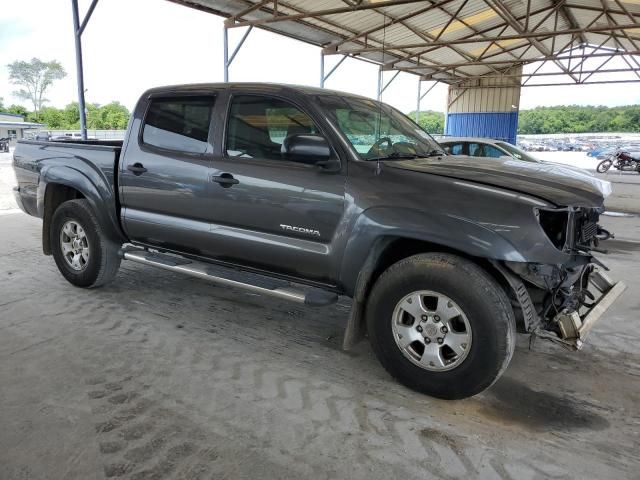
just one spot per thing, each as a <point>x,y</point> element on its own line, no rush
<point>504,12</point>
<point>528,61</point>
<point>425,37</point>
<point>555,74</point>
<point>472,35</point>
<point>87,17</point>
<point>247,10</point>
<point>563,84</point>
<point>468,40</point>
<point>570,19</point>
<point>473,29</point>
<point>320,13</point>
<point>596,9</point>
<point>332,48</point>
<point>323,77</point>
<point>610,20</point>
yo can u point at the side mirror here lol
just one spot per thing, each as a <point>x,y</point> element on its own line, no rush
<point>306,148</point>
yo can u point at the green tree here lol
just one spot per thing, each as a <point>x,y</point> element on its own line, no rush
<point>18,110</point>
<point>71,116</point>
<point>579,119</point>
<point>431,121</point>
<point>115,116</point>
<point>36,76</point>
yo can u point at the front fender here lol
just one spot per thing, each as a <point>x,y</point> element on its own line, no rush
<point>527,243</point>
<point>97,191</point>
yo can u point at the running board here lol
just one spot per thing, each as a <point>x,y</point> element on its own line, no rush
<point>233,278</point>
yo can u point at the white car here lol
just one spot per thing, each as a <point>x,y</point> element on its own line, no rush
<point>484,147</point>
<point>498,149</point>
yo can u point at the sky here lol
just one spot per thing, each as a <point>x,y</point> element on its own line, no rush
<point>130,46</point>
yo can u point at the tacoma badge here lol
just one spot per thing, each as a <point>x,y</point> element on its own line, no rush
<point>308,231</point>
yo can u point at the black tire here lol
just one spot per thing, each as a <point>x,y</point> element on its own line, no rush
<point>483,301</point>
<point>103,262</point>
<point>604,166</point>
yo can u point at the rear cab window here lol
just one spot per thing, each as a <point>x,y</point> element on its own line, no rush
<point>180,124</point>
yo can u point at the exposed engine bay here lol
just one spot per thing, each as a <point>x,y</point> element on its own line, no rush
<point>561,302</point>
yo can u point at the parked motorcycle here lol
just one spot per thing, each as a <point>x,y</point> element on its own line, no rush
<point>619,160</point>
<point>4,144</point>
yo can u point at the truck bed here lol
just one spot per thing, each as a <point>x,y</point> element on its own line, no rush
<point>96,160</point>
<point>108,143</point>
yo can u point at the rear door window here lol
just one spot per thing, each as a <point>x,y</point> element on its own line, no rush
<point>179,123</point>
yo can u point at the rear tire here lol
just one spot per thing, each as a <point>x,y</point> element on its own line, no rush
<point>463,299</point>
<point>83,254</point>
<point>604,166</point>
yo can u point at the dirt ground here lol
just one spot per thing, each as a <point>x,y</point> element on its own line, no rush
<point>160,376</point>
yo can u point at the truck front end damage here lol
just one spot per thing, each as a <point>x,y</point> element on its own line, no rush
<point>562,302</point>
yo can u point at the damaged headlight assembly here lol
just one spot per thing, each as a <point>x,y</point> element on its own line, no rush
<point>568,298</point>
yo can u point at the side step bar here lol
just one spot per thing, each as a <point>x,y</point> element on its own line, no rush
<point>233,278</point>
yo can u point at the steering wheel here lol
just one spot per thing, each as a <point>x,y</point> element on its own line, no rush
<point>377,147</point>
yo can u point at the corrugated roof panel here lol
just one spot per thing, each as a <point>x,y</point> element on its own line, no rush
<point>475,16</point>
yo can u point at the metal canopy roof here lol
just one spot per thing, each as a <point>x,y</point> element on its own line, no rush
<point>453,41</point>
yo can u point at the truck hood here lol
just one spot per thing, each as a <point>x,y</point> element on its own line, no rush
<point>552,182</point>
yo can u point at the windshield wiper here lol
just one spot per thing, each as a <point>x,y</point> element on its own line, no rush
<point>408,156</point>
<point>395,156</point>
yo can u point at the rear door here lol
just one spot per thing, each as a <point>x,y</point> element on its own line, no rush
<point>164,188</point>
<point>283,214</point>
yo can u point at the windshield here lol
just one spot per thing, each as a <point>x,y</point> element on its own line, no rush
<point>378,131</point>
<point>517,153</point>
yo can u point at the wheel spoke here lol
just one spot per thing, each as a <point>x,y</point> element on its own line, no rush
<point>413,305</point>
<point>68,230</point>
<point>85,254</point>
<point>66,247</point>
<point>406,335</point>
<point>431,357</point>
<point>447,310</point>
<point>458,342</point>
<point>75,261</point>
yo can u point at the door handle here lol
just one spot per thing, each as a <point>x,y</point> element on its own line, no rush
<point>225,180</point>
<point>136,168</point>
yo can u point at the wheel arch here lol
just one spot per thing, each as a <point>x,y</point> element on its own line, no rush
<point>58,184</point>
<point>388,250</point>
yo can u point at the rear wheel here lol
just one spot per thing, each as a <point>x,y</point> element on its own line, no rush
<point>441,325</point>
<point>604,166</point>
<point>84,256</point>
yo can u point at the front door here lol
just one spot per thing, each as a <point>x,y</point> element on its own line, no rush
<point>164,187</point>
<point>275,213</point>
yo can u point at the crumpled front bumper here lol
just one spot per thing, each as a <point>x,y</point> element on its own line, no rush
<point>575,327</point>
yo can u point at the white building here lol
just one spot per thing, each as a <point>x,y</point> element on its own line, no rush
<point>14,127</point>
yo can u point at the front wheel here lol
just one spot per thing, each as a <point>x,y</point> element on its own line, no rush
<point>85,257</point>
<point>441,325</point>
<point>604,166</point>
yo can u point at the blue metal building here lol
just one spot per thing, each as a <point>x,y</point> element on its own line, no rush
<point>485,108</point>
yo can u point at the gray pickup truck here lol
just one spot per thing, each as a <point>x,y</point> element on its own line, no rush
<point>306,194</point>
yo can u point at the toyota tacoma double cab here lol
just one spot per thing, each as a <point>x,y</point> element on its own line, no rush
<point>306,194</point>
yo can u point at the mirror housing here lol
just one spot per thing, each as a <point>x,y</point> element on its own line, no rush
<point>306,148</point>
